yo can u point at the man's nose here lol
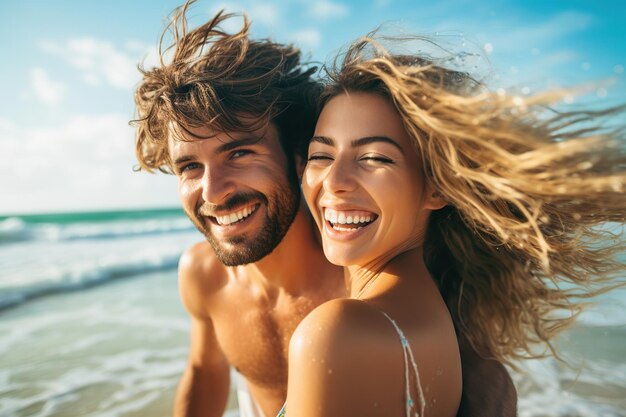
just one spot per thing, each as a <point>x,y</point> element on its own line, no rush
<point>217,185</point>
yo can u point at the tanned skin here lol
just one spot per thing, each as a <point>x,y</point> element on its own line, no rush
<point>243,316</point>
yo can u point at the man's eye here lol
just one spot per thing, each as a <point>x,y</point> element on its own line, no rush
<point>240,152</point>
<point>189,167</point>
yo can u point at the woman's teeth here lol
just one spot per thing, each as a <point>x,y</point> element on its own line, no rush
<point>355,219</point>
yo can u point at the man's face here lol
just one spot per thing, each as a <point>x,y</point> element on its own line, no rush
<point>239,189</point>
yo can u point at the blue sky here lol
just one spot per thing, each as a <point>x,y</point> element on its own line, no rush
<point>69,71</point>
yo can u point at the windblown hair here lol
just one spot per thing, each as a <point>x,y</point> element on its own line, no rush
<point>225,81</point>
<point>525,239</point>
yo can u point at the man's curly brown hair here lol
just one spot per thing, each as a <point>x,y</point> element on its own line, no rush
<point>224,81</point>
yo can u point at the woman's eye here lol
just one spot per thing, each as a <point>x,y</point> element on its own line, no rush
<point>377,158</point>
<point>319,157</point>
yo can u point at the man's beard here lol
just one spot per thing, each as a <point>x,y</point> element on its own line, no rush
<point>241,250</point>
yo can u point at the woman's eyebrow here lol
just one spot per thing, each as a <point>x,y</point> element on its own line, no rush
<point>325,140</point>
<point>374,139</point>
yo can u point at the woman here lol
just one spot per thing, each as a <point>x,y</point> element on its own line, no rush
<point>431,191</point>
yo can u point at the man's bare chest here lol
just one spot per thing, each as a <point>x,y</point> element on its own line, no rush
<point>254,335</point>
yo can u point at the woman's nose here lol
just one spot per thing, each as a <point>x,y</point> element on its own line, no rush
<point>340,177</point>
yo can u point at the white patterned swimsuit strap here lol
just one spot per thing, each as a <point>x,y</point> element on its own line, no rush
<point>410,404</point>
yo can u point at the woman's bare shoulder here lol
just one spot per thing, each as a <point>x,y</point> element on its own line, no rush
<point>349,347</point>
<point>340,356</point>
<point>339,324</point>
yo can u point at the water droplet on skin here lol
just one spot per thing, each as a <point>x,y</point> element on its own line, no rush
<point>330,371</point>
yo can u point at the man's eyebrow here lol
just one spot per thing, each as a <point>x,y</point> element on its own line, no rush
<point>358,142</point>
<point>183,159</point>
<point>235,143</point>
<point>225,147</point>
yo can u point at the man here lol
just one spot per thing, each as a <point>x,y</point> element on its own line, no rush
<point>231,118</point>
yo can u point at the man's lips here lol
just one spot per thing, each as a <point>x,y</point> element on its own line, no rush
<point>235,216</point>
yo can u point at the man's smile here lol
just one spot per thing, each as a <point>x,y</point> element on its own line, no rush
<point>235,216</point>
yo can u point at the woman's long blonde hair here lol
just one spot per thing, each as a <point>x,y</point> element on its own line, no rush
<point>525,238</point>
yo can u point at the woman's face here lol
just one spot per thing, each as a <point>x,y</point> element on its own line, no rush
<point>364,182</point>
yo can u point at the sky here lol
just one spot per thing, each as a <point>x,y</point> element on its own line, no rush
<point>69,70</point>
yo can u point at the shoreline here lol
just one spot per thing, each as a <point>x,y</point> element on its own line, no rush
<point>119,350</point>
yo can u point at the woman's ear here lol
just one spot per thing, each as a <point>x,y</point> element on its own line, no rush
<point>434,200</point>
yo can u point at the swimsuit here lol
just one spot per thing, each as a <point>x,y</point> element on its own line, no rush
<point>248,407</point>
<point>410,403</point>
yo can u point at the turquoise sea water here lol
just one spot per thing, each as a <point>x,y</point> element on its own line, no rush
<point>51,253</point>
<point>91,324</point>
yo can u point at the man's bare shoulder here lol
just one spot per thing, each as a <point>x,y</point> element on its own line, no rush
<point>201,275</point>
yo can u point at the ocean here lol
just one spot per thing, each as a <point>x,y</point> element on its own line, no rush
<point>91,324</point>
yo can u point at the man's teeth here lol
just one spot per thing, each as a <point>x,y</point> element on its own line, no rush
<point>340,217</point>
<point>235,216</point>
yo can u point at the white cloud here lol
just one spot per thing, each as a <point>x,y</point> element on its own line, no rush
<point>85,163</point>
<point>306,38</point>
<point>325,9</point>
<point>265,14</point>
<point>44,88</point>
<point>98,61</point>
